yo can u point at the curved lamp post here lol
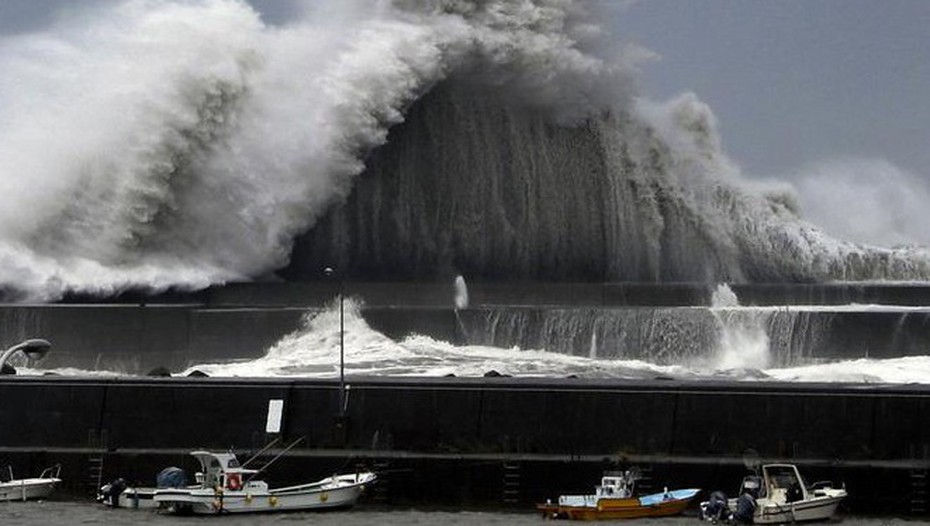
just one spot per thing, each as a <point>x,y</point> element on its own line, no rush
<point>34,349</point>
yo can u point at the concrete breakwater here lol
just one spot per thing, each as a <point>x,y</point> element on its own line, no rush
<point>452,440</point>
<point>134,334</point>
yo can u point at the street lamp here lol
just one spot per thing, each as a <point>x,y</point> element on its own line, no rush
<point>342,347</point>
<point>34,349</point>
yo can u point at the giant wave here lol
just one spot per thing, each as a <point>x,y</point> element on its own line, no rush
<point>156,144</point>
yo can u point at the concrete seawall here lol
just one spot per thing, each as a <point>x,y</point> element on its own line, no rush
<point>134,339</point>
<point>691,433</point>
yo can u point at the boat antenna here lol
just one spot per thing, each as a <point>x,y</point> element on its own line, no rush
<point>272,461</point>
<point>266,448</point>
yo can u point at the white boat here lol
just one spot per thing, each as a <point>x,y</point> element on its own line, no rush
<point>778,496</point>
<point>30,488</point>
<point>223,486</point>
<point>117,494</point>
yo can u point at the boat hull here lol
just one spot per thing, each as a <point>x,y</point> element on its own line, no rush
<point>308,497</point>
<point>26,489</point>
<point>134,498</point>
<point>621,508</point>
<point>817,509</point>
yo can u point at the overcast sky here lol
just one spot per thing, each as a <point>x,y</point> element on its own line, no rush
<point>797,81</point>
<point>792,82</point>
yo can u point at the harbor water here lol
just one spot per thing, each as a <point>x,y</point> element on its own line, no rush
<point>75,512</point>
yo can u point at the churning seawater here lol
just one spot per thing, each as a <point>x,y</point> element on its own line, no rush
<point>73,512</point>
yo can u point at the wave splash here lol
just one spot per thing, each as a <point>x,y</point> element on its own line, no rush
<point>313,351</point>
<point>155,144</point>
<point>491,190</point>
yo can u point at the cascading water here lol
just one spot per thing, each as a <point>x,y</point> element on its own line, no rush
<point>313,350</point>
<point>743,341</point>
<point>496,190</point>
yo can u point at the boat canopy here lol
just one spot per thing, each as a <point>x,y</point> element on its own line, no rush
<point>214,465</point>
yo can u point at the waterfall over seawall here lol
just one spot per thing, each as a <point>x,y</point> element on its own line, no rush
<point>691,336</point>
<point>475,183</point>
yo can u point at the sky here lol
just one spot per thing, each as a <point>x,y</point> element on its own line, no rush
<point>829,95</point>
<point>796,81</point>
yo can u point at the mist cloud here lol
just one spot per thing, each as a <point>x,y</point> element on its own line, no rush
<point>869,201</point>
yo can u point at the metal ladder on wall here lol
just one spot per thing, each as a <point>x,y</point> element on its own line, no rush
<point>510,493</point>
<point>918,501</point>
<point>646,484</point>
<point>96,444</point>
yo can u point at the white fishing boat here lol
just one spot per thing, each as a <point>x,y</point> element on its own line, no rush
<point>30,488</point>
<point>118,494</point>
<point>777,496</point>
<point>223,486</point>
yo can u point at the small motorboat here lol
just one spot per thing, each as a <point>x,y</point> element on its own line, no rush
<point>224,486</point>
<point>779,495</point>
<point>120,494</point>
<point>117,494</point>
<point>613,499</point>
<point>31,488</point>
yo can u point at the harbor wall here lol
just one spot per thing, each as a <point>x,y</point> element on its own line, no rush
<point>696,433</point>
<point>135,339</point>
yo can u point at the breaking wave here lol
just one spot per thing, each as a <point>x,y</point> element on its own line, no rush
<point>314,349</point>
<point>156,144</point>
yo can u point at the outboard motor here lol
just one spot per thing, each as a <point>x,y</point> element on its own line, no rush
<point>746,503</point>
<point>745,509</point>
<point>752,484</point>
<point>171,477</point>
<point>109,494</point>
<point>717,509</point>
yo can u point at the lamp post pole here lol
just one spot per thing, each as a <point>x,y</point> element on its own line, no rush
<point>342,350</point>
<point>342,347</point>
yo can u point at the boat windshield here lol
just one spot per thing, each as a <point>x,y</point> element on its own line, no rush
<point>782,476</point>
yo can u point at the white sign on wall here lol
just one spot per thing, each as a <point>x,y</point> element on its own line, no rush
<point>275,412</point>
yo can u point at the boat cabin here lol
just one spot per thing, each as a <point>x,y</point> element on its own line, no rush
<point>784,483</point>
<point>616,484</point>
<point>779,483</point>
<point>220,470</point>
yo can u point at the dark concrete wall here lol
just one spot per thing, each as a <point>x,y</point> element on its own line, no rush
<point>551,417</point>
<point>423,433</point>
